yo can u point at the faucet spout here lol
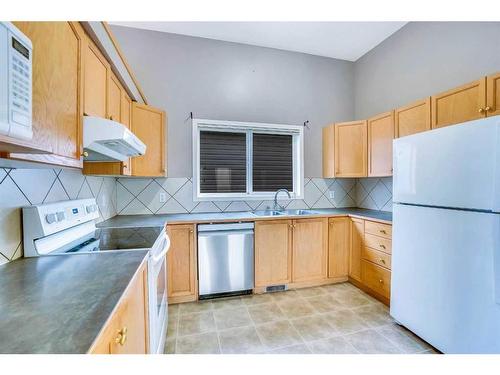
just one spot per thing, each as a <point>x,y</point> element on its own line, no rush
<point>276,204</point>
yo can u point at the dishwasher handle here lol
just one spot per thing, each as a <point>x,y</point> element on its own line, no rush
<point>225,233</point>
<point>227,227</point>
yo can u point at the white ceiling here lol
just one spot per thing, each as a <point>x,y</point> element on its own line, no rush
<point>341,40</point>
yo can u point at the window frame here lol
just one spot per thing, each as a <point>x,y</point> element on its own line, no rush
<point>249,128</point>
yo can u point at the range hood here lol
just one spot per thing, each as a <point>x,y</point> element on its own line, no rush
<point>107,140</point>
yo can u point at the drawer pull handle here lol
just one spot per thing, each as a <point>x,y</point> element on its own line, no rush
<point>381,281</point>
<point>382,231</point>
<point>382,261</point>
<point>121,338</point>
<point>382,246</point>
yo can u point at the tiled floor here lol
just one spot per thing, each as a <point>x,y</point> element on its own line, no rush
<point>325,320</point>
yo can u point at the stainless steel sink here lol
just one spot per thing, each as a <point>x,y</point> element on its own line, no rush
<point>299,212</point>
<point>268,213</point>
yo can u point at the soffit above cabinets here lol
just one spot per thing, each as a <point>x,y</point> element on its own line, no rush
<point>103,37</point>
<point>339,40</point>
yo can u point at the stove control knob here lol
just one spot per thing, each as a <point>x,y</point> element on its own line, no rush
<point>51,218</point>
<point>88,209</point>
<point>61,216</point>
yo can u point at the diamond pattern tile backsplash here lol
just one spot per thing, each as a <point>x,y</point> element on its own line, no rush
<point>142,196</point>
<point>374,193</point>
<point>23,187</point>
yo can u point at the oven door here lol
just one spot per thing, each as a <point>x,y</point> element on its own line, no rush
<point>157,280</point>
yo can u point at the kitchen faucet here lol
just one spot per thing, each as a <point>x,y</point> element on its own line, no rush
<point>276,204</point>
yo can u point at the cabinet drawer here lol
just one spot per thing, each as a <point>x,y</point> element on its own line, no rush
<point>378,243</point>
<point>376,278</point>
<point>383,230</point>
<point>377,257</point>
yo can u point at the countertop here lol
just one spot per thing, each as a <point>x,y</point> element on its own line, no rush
<point>59,304</point>
<point>130,221</point>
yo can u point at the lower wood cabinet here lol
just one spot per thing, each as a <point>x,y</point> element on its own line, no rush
<point>376,278</point>
<point>338,247</point>
<point>356,245</point>
<point>182,285</point>
<point>273,252</point>
<point>126,332</point>
<point>310,249</point>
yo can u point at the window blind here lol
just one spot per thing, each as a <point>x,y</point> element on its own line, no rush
<point>222,162</point>
<point>272,162</point>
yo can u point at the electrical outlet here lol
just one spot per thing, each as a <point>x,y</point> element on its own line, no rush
<point>331,194</point>
<point>163,197</point>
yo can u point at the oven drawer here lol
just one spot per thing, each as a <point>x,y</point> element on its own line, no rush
<point>376,278</point>
<point>377,257</point>
<point>379,229</point>
<point>378,243</point>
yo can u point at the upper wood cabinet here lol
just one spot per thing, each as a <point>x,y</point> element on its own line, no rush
<point>356,246</point>
<point>328,151</point>
<point>310,249</point>
<point>413,118</point>
<point>126,332</point>
<point>182,283</point>
<point>464,103</point>
<point>380,136</point>
<point>493,95</point>
<point>57,91</point>
<point>338,247</point>
<point>149,125</point>
<point>96,81</point>
<point>273,252</point>
<point>351,149</point>
<point>114,98</point>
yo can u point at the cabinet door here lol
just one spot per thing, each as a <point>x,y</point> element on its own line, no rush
<point>114,98</point>
<point>57,85</point>
<point>273,252</point>
<point>181,263</point>
<point>380,136</point>
<point>96,81</point>
<point>493,95</point>
<point>356,246</point>
<point>328,152</point>
<point>413,118</point>
<point>338,247</point>
<point>148,124</point>
<point>464,103</point>
<point>310,249</point>
<point>126,331</point>
<point>350,149</point>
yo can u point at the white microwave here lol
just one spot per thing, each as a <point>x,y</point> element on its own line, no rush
<point>16,55</point>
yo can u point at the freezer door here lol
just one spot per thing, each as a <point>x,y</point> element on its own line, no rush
<point>445,272</point>
<point>456,166</point>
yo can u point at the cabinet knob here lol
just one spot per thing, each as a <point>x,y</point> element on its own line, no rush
<point>382,231</point>
<point>85,154</point>
<point>382,246</point>
<point>290,225</point>
<point>121,338</point>
<point>381,281</point>
<point>488,108</point>
<point>125,166</point>
<point>381,261</point>
<point>481,110</point>
<point>111,118</point>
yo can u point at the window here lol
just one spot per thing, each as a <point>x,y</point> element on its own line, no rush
<point>237,161</point>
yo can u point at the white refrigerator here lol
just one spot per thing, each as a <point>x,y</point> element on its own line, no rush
<point>446,236</point>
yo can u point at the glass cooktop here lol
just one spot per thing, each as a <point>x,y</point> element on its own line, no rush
<point>106,239</point>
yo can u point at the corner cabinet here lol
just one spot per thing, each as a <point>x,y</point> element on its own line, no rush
<point>351,149</point>
<point>380,136</point>
<point>182,283</point>
<point>126,331</point>
<point>356,245</point>
<point>338,247</point>
<point>57,92</point>
<point>149,124</point>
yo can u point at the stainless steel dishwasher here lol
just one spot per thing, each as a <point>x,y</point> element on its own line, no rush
<point>225,259</point>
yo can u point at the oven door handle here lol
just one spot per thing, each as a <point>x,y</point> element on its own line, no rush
<point>166,246</point>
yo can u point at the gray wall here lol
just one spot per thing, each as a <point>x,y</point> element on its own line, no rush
<point>424,58</point>
<point>228,81</point>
